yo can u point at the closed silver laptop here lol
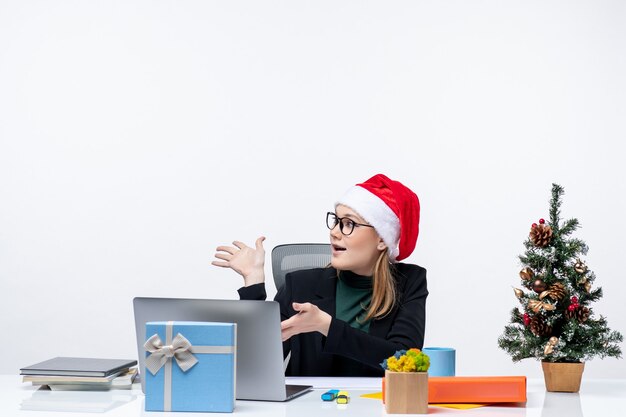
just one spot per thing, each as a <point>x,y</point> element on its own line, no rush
<point>260,372</point>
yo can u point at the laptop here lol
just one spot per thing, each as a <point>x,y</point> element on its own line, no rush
<point>260,370</point>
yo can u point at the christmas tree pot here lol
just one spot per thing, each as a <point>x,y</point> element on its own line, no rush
<point>562,377</point>
<point>406,392</point>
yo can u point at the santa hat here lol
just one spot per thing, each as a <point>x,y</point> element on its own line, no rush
<point>393,210</point>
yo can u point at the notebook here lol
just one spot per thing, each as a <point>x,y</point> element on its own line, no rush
<point>260,367</point>
<point>67,366</point>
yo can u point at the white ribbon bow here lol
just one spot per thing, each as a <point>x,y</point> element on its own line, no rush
<point>180,349</point>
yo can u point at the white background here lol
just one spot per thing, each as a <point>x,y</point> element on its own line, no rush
<point>136,136</point>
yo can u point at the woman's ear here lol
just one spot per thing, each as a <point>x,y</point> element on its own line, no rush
<point>381,244</point>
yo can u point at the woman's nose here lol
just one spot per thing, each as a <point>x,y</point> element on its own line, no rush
<point>336,232</point>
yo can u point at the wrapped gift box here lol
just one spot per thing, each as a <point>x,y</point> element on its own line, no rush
<point>474,389</point>
<point>190,366</point>
<point>477,389</point>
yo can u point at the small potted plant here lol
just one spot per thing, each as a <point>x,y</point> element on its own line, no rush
<point>406,382</point>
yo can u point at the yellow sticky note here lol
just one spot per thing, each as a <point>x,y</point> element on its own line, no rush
<point>379,396</point>
<point>374,395</point>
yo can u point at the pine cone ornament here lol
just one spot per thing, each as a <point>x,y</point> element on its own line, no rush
<point>556,292</point>
<point>539,327</point>
<point>540,235</point>
<point>580,313</point>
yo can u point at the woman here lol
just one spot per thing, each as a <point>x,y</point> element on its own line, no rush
<point>345,319</point>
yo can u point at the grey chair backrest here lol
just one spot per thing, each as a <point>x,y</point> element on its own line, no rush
<point>297,256</point>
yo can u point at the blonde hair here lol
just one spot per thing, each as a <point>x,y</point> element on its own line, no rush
<point>383,288</point>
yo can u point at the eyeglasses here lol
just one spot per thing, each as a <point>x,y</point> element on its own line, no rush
<point>346,225</point>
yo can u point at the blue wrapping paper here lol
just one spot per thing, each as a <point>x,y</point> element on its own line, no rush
<point>209,385</point>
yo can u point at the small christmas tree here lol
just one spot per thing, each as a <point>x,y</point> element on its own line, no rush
<point>556,322</point>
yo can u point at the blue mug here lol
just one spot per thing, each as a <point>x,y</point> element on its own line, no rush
<point>442,361</point>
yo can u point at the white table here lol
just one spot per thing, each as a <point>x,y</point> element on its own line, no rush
<point>598,397</point>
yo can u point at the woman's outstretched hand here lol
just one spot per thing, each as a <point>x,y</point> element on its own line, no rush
<point>246,261</point>
<point>308,319</point>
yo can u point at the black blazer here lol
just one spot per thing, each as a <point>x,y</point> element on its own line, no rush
<point>312,354</point>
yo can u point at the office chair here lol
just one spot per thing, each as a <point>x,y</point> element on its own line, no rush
<point>293,257</point>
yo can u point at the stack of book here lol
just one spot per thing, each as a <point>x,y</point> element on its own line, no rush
<point>93,374</point>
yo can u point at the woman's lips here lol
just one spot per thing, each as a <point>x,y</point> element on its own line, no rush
<point>337,249</point>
